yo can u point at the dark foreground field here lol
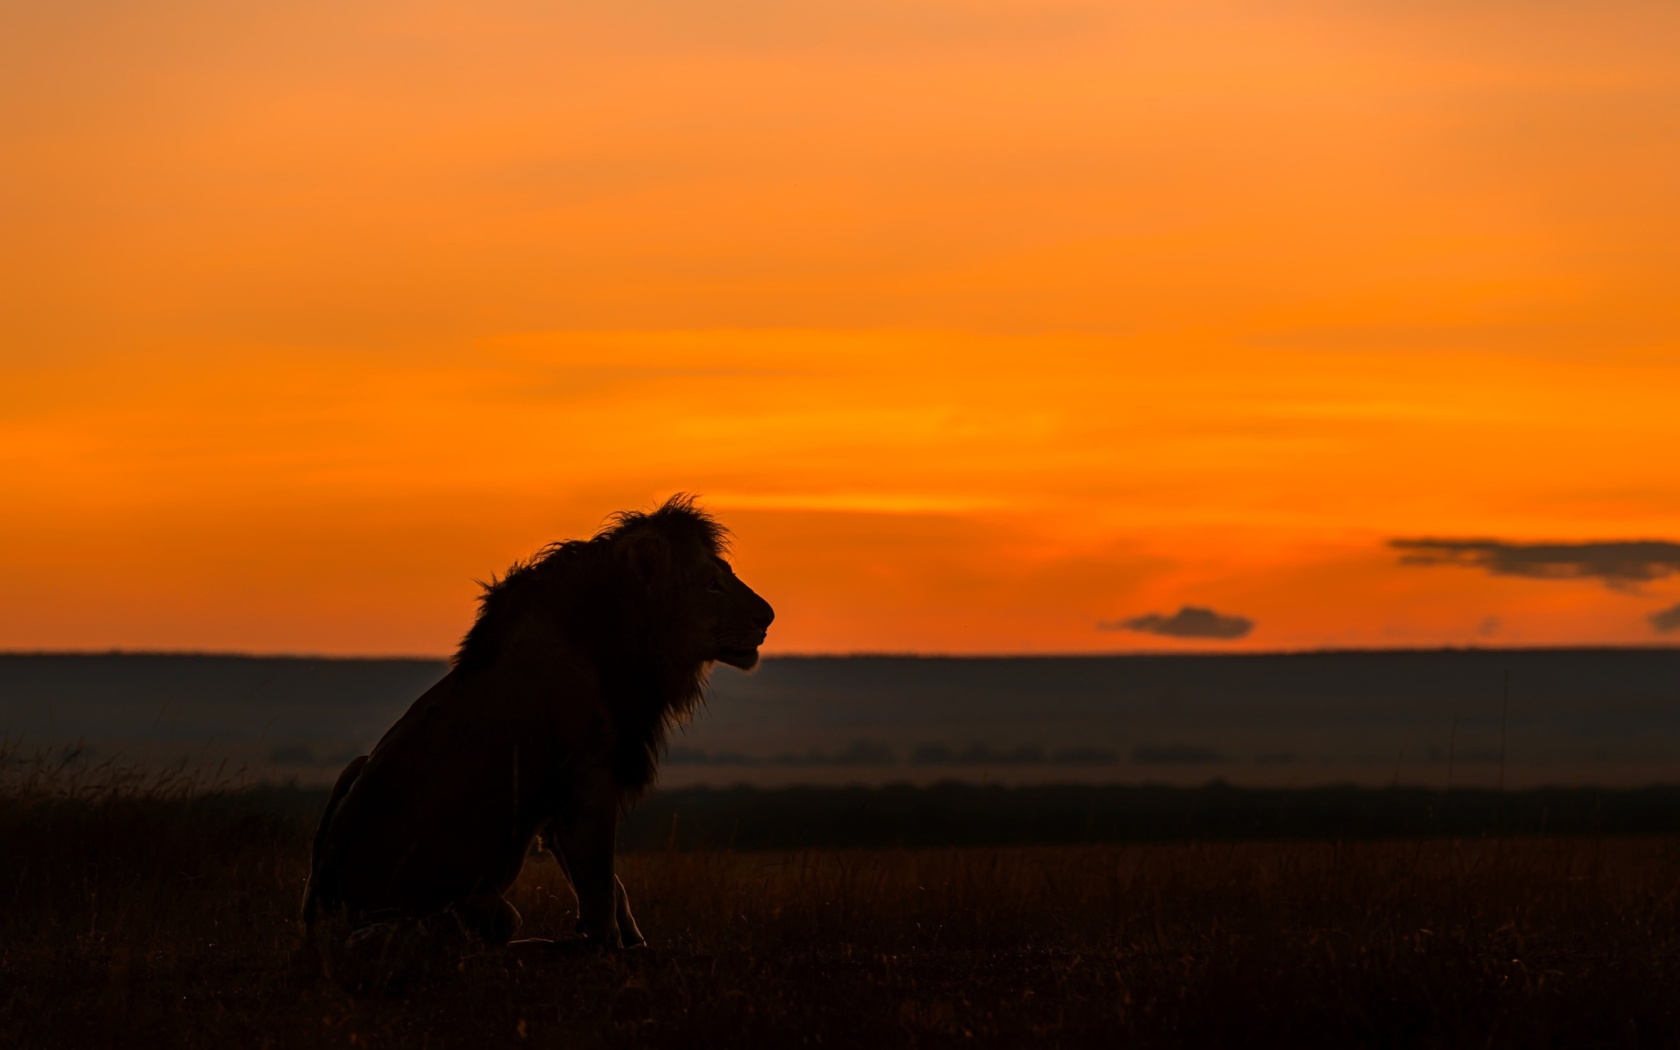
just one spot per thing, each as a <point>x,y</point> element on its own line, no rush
<point>149,919</point>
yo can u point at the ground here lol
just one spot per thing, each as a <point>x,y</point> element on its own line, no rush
<point>170,921</point>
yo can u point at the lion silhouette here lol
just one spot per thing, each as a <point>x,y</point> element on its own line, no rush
<point>550,721</point>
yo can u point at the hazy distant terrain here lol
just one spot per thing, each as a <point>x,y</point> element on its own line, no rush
<point>1553,716</point>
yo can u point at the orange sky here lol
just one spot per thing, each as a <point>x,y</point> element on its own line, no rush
<point>979,322</point>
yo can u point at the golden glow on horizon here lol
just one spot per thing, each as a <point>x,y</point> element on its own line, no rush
<point>979,323</point>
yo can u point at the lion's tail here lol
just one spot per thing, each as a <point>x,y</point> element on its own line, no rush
<point>318,894</point>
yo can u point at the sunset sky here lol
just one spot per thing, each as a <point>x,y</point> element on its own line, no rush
<point>987,326</point>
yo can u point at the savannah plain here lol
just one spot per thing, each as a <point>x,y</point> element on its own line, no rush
<point>157,913</point>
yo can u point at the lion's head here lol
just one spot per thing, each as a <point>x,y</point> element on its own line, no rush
<point>704,611</point>
<point>652,592</point>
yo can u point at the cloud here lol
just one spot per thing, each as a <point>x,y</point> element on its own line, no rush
<point>1621,564</point>
<point>1667,620</point>
<point>1189,622</point>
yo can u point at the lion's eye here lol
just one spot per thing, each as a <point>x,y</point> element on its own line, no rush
<point>714,585</point>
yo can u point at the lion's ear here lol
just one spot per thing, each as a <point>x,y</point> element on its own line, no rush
<point>647,553</point>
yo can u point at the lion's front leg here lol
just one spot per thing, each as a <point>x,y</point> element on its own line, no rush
<point>585,842</point>
<point>628,931</point>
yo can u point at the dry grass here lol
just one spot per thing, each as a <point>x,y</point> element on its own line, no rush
<point>166,917</point>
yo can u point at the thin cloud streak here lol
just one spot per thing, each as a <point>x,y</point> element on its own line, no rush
<point>1621,564</point>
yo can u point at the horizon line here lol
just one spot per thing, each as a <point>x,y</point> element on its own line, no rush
<point>885,654</point>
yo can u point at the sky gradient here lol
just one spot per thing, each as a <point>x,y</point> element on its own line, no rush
<point>982,324</point>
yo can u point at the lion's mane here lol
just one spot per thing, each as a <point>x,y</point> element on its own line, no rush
<point>632,629</point>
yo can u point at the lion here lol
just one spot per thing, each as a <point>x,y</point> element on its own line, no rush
<point>549,722</point>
